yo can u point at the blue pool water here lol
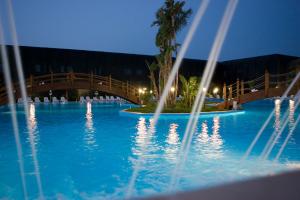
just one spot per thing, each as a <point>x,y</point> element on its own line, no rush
<point>90,153</point>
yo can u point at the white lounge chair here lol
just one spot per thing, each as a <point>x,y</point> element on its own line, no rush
<point>81,99</point>
<point>55,100</point>
<point>46,100</point>
<point>20,101</point>
<point>88,99</point>
<point>29,100</point>
<point>112,99</point>
<point>63,100</point>
<point>95,99</point>
<point>124,100</point>
<point>101,99</point>
<point>37,100</point>
<point>107,99</point>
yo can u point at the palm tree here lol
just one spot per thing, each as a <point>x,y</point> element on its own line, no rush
<point>152,67</point>
<point>189,89</point>
<point>170,19</point>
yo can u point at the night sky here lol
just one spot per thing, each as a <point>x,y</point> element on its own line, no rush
<point>259,27</point>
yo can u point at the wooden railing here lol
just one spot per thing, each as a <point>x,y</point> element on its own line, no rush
<point>3,98</point>
<point>267,85</point>
<point>68,81</point>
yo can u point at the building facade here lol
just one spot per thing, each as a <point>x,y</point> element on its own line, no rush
<point>132,67</point>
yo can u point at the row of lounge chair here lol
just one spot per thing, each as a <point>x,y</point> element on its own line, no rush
<point>101,99</point>
<point>45,100</point>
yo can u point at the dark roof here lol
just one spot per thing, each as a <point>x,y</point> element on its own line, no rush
<point>118,54</point>
<point>263,57</point>
<point>78,51</point>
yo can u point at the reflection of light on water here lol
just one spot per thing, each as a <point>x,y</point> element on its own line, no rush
<point>172,143</point>
<point>173,136</point>
<point>203,137</point>
<point>152,127</point>
<point>89,128</point>
<point>88,108</point>
<point>291,114</point>
<point>89,117</point>
<point>33,131</point>
<point>210,146</point>
<point>216,139</point>
<point>277,115</point>
<point>143,138</point>
<point>32,118</point>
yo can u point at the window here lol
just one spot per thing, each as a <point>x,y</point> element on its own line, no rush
<point>62,68</point>
<point>37,68</point>
<point>139,72</point>
<point>70,69</point>
<point>127,72</point>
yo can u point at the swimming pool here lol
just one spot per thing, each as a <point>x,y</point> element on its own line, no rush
<point>89,152</point>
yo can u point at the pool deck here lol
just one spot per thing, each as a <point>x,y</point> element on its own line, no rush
<point>275,187</point>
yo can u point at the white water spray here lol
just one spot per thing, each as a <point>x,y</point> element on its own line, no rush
<point>276,131</point>
<point>287,139</point>
<point>202,90</point>
<point>11,101</point>
<point>297,98</point>
<point>272,141</point>
<point>183,49</point>
<point>20,73</point>
<point>269,118</point>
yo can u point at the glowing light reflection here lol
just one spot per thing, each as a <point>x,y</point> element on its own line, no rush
<point>140,139</point>
<point>291,114</point>
<point>203,137</point>
<point>277,115</point>
<point>172,143</point>
<point>144,143</point>
<point>210,146</point>
<point>90,138</point>
<point>216,140</point>
<point>33,132</point>
<point>32,118</point>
